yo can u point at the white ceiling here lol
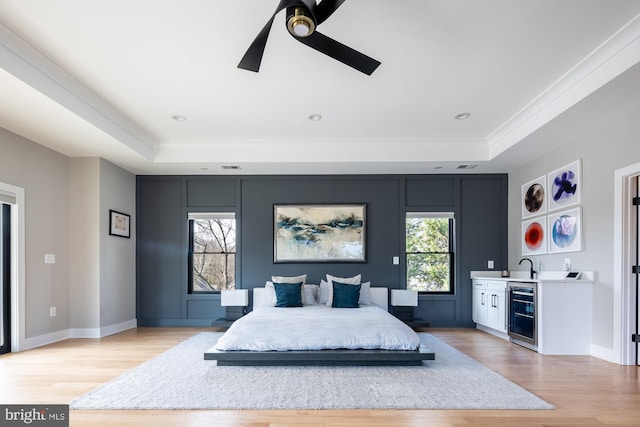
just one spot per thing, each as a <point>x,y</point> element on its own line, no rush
<point>104,78</point>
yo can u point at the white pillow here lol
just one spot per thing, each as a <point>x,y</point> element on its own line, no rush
<point>365,294</point>
<point>289,279</point>
<point>310,294</point>
<point>355,280</point>
<point>269,294</point>
<point>323,294</point>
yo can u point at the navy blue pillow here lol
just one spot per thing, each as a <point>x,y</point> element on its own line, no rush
<point>288,294</point>
<point>345,295</point>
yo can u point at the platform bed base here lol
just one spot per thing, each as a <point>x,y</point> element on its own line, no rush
<point>320,357</point>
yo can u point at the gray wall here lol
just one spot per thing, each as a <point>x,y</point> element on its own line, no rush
<point>102,278</point>
<point>92,283</point>
<point>479,202</point>
<point>117,254</point>
<point>44,175</point>
<point>84,243</point>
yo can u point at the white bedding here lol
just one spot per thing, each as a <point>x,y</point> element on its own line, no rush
<point>318,327</point>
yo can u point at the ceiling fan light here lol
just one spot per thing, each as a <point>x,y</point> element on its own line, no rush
<point>301,28</point>
<point>299,24</point>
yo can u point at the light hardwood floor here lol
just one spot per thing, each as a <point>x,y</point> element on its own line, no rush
<point>586,391</point>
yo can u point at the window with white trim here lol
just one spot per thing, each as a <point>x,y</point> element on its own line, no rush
<point>212,252</point>
<point>429,252</point>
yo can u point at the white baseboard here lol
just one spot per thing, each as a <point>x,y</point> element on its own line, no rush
<point>119,327</point>
<point>604,353</point>
<point>104,331</point>
<point>45,339</point>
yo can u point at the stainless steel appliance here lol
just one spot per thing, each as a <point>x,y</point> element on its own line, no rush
<point>522,314</point>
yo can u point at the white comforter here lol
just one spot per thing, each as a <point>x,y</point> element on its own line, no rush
<point>318,327</point>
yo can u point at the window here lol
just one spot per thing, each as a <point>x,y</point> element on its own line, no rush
<point>212,252</point>
<point>429,252</point>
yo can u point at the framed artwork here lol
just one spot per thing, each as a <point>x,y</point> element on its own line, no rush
<point>119,224</point>
<point>534,236</point>
<point>534,197</point>
<point>319,233</point>
<point>565,186</point>
<point>565,231</point>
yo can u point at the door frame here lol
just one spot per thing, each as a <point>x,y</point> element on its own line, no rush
<point>17,265</point>
<point>624,294</point>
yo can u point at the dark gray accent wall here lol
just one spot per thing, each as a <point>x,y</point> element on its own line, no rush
<point>160,252</point>
<point>382,197</point>
<point>478,202</point>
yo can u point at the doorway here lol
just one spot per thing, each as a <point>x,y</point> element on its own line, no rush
<point>634,231</point>
<point>625,276</point>
<point>5,278</point>
<point>14,277</point>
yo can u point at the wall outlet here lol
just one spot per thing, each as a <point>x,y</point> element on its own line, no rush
<point>52,312</point>
<point>396,260</point>
<point>490,264</point>
<point>49,258</point>
<point>567,264</point>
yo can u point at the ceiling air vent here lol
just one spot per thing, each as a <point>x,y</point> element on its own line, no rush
<point>467,166</point>
<point>230,167</point>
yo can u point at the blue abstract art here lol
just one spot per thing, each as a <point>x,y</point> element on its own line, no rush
<point>565,231</point>
<point>565,186</point>
<point>319,233</point>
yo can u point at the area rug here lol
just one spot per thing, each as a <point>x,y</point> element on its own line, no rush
<point>180,378</point>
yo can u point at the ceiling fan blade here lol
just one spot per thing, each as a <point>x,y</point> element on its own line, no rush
<point>253,56</point>
<point>340,52</point>
<point>324,10</point>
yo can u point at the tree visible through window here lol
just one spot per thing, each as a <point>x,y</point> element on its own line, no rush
<point>429,252</point>
<point>212,252</point>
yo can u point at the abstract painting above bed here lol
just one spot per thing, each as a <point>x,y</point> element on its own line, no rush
<point>319,233</point>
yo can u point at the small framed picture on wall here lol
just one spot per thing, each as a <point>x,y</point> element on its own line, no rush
<point>565,186</point>
<point>534,236</point>
<point>534,200</point>
<point>119,224</point>
<point>565,231</point>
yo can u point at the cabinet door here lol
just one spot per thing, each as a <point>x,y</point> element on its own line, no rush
<point>497,306</point>
<point>501,310</point>
<point>480,301</point>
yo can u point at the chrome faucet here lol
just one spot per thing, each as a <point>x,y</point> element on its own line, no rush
<point>532,271</point>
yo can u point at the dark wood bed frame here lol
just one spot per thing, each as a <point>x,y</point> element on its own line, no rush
<point>379,296</point>
<point>320,357</point>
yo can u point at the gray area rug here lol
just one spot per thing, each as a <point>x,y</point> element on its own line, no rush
<point>180,378</point>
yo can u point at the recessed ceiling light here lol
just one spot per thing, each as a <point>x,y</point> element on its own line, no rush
<point>179,118</point>
<point>462,116</point>
<point>230,167</point>
<point>437,167</point>
<point>315,117</point>
<point>467,166</point>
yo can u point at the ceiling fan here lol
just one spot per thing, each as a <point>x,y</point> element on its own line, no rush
<point>303,16</point>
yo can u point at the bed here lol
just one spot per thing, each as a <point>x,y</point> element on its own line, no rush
<point>317,334</point>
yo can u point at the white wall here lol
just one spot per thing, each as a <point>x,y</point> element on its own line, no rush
<point>604,145</point>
